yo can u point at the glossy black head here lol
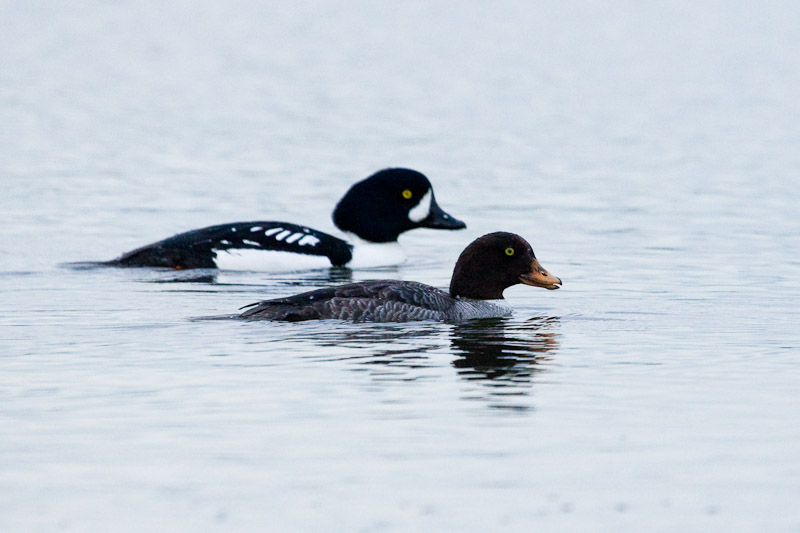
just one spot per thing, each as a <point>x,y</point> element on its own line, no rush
<point>494,262</point>
<point>389,202</point>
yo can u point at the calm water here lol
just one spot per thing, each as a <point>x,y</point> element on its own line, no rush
<point>651,154</point>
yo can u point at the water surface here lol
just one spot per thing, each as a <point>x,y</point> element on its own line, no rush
<point>649,154</point>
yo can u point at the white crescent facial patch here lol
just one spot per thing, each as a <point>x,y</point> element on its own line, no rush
<point>420,212</point>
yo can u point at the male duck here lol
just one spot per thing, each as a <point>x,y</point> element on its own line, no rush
<point>375,211</point>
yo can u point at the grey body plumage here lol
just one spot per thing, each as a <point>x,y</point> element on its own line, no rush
<point>376,301</point>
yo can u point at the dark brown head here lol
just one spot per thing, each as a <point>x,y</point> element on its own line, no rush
<point>494,262</point>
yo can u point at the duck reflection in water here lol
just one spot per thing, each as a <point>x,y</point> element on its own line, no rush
<point>327,276</point>
<point>500,352</point>
<point>503,351</point>
<point>396,346</point>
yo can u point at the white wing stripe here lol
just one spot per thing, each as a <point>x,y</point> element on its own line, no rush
<point>293,237</point>
<point>308,239</point>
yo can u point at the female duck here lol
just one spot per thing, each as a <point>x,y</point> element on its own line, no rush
<point>484,270</point>
<point>376,211</point>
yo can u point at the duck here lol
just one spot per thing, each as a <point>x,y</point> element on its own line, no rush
<point>373,214</point>
<point>486,267</point>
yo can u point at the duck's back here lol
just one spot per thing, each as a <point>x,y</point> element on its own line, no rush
<point>370,301</point>
<point>236,244</point>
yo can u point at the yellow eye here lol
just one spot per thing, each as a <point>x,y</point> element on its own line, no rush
<point>407,194</point>
<point>509,251</point>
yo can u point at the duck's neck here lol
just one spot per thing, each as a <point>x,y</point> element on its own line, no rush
<point>368,254</point>
<point>471,295</point>
<point>475,285</point>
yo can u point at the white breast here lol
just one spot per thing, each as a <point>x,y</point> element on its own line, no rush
<point>247,259</point>
<point>371,255</point>
<point>365,255</point>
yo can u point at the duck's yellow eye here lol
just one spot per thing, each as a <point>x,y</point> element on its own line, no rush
<point>509,251</point>
<point>407,194</point>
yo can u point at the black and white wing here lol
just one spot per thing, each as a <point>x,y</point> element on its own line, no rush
<point>198,248</point>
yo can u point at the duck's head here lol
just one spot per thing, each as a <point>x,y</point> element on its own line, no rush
<point>494,262</point>
<point>391,201</point>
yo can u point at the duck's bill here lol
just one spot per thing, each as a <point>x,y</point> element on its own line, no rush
<point>539,277</point>
<point>438,219</point>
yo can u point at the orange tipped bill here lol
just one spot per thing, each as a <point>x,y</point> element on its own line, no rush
<point>539,277</point>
